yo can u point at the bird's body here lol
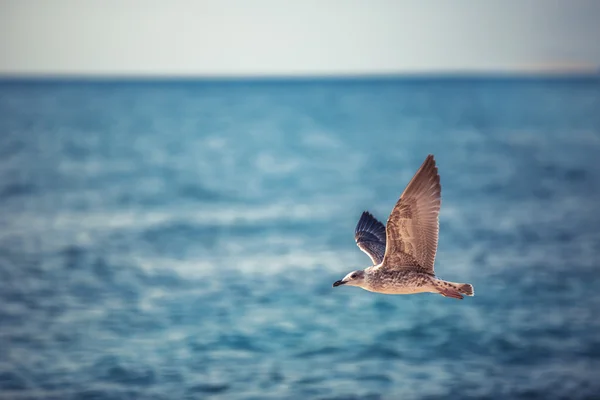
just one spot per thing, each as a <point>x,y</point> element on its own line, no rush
<point>403,253</point>
<point>396,282</point>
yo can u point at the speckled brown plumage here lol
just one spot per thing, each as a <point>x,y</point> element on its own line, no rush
<point>412,227</point>
<point>404,259</point>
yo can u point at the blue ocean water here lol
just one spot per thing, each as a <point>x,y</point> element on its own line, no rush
<point>170,240</point>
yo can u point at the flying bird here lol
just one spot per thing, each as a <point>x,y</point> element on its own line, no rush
<point>403,253</point>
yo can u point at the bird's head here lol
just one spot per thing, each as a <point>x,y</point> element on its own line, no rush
<point>354,278</point>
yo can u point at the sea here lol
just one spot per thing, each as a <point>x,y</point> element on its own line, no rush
<point>178,239</point>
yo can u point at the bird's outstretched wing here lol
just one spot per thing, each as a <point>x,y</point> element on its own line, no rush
<point>413,226</point>
<point>370,237</point>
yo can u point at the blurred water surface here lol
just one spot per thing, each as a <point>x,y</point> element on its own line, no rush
<point>165,240</point>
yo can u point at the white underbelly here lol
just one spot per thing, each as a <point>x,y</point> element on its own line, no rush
<point>403,290</point>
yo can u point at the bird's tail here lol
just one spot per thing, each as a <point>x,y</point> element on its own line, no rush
<point>453,289</point>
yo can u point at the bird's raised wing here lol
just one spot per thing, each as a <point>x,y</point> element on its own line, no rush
<point>413,226</point>
<point>370,237</point>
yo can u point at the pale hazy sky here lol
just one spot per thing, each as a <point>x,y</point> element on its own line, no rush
<point>274,37</point>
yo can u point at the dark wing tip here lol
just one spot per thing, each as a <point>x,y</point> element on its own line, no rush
<point>426,178</point>
<point>368,225</point>
<point>429,163</point>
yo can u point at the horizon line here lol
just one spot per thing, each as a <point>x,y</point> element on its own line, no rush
<point>430,74</point>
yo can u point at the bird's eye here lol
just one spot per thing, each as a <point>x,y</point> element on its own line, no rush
<point>353,276</point>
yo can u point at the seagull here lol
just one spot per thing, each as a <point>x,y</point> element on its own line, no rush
<point>403,253</point>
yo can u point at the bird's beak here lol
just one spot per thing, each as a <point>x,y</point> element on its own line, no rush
<point>338,283</point>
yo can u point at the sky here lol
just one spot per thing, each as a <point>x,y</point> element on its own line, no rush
<point>308,37</point>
